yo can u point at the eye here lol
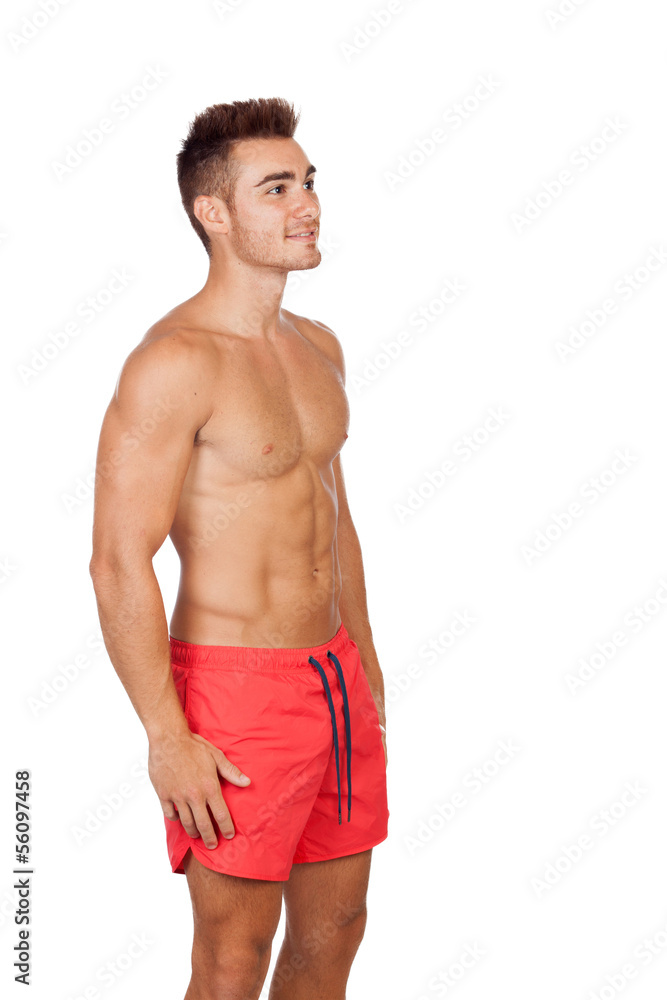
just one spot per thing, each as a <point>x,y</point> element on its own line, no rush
<point>279,187</point>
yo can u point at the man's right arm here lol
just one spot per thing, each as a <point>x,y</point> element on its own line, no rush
<point>143,457</point>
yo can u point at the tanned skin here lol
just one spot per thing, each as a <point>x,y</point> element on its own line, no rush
<point>224,432</point>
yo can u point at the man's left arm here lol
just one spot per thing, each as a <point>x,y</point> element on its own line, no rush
<point>353,602</point>
<point>353,605</point>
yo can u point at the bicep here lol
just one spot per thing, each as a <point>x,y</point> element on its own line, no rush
<point>144,452</point>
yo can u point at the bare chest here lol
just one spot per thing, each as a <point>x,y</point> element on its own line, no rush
<point>274,408</point>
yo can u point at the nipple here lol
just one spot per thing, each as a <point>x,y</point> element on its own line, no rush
<point>266,449</point>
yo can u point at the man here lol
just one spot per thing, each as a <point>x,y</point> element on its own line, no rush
<point>263,701</point>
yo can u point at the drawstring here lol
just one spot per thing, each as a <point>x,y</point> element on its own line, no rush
<point>346,716</point>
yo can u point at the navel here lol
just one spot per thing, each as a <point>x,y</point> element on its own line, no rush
<point>266,449</point>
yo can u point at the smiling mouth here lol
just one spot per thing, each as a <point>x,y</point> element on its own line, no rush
<point>307,236</point>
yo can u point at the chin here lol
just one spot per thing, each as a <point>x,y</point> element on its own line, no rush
<point>304,262</point>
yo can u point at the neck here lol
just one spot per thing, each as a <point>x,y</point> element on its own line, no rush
<point>243,298</point>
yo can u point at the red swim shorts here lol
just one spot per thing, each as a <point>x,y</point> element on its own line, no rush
<point>303,725</point>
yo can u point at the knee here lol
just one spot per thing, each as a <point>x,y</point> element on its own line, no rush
<point>334,938</point>
<point>231,969</point>
<point>352,928</point>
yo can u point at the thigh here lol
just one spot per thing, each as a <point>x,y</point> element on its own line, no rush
<point>322,896</point>
<point>231,910</point>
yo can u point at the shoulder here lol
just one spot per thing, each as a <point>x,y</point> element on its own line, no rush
<point>322,337</point>
<point>170,362</point>
<point>168,351</point>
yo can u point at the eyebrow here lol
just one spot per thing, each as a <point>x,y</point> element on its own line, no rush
<point>285,175</point>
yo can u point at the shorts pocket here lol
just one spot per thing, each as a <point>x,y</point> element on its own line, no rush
<point>182,684</point>
<point>368,710</point>
<point>186,696</point>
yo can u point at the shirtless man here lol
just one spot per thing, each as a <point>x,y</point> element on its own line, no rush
<point>263,701</point>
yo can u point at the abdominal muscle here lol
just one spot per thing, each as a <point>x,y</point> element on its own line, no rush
<point>259,561</point>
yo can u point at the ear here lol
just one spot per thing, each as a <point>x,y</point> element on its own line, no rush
<point>212,213</point>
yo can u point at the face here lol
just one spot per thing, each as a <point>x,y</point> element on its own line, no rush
<point>274,199</point>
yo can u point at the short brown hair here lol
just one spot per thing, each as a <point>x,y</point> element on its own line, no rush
<point>205,164</point>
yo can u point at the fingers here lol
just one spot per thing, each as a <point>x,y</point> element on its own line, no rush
<point>203,824</point>
<point>194,815</point>
<point>184,814</point>
<point>196,819</point>
<point>217,803</point>
<point>221,815</point>
<point>190,803</point>
<point>169,810</point>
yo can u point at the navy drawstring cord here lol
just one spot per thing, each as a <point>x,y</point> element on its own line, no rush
<point>346,716</point>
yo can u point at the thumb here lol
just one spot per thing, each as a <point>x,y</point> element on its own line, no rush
<point>230,771</point>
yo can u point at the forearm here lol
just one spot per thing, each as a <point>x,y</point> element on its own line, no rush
<point>353,608</point>
<point>136,636</point>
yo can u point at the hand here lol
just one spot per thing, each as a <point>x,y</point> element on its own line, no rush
<point>184,772</point>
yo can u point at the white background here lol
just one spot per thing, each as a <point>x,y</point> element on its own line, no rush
<point>370,96</point>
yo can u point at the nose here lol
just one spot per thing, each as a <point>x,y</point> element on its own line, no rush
<point>308,205</point>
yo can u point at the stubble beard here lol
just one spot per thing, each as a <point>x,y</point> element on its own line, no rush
<point>261,249</point>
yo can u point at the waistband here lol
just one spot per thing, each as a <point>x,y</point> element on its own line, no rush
<point>258,658</point>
